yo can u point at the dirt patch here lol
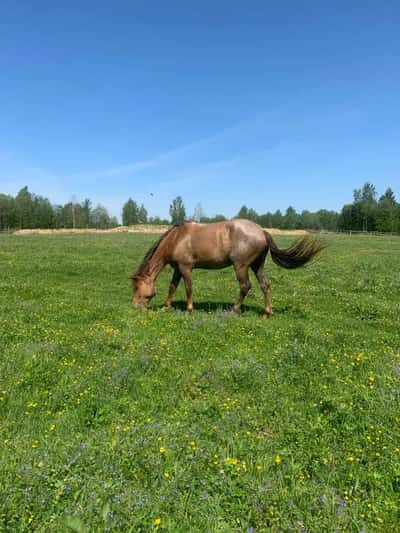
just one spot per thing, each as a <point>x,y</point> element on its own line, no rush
<point>276,231</point>
<point>142,228</point>
<point>119,229</point>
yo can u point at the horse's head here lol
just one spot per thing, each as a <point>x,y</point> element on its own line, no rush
<point>144,289</point>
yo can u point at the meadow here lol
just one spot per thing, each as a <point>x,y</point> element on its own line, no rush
<point>113,419</point>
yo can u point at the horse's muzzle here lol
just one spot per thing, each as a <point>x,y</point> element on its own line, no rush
<point>139,306</point>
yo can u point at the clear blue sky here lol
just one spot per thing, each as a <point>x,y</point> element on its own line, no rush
<point>267,104</point>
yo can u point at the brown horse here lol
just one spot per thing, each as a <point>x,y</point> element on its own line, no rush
<point>240,243</point>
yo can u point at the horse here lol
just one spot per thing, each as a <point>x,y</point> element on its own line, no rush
<point>240,243</point>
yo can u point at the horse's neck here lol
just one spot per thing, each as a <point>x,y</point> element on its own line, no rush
<point>156,264</point>
<point>160,256</point>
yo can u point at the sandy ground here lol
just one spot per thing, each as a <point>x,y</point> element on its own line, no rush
<point>135,229</point>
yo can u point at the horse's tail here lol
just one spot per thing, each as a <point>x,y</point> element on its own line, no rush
<point>298,254</point>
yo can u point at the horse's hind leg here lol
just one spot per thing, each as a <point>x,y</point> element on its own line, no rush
<point>258,269</point>
<point>242,274</point>
<point>173,286</point>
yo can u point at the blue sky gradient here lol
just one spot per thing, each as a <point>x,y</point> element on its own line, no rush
<point>225,103</point>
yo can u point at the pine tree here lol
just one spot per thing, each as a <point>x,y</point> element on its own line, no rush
<point>177,210</point>
<point>24,208</point>
<point>130,213</point>
<point>142,215</point>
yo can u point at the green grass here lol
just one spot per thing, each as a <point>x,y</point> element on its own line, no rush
<point>114,420</point>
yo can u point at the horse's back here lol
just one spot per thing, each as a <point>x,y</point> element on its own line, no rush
<point>210,245</point>
<point>248,240</point>
<point>220,244</point>
<point>248,229</point>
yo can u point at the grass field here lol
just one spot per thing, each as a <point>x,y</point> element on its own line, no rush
<point>121,420</point>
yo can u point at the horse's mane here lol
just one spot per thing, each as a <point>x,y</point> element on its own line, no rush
<point>142,269</point>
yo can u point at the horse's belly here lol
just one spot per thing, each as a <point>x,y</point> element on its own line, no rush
<point>212,263</point>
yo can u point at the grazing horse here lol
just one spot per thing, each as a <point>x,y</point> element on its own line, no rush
<point>240,243</point>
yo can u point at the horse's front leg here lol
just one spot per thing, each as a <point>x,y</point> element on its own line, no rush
<point>186,271</point>
<point>173,286</point>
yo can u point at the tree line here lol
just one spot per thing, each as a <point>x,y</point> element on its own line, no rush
<point>367,212</point>
<point>28,211</point>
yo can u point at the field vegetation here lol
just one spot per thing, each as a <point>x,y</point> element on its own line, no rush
<point>113,419</point>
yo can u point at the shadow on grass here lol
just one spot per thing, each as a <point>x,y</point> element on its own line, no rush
<point>215,307</point>
<point>227,307</point>
<point>204,306</point>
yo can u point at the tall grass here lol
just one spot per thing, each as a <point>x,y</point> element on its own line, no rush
<point>119,420</point>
